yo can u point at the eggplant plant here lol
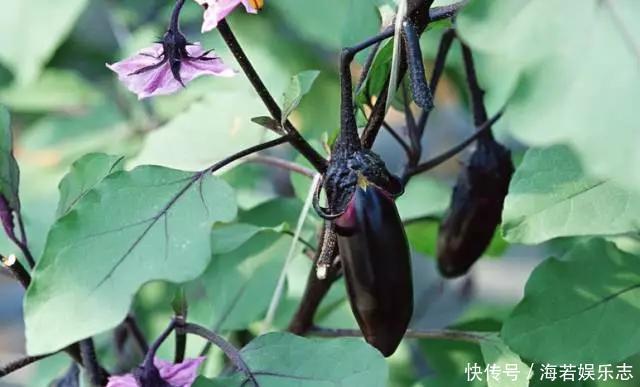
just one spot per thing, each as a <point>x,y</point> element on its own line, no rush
<point>209,233</point>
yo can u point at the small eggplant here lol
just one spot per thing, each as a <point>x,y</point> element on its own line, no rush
<point>377,266</point>
<point>476,208</point>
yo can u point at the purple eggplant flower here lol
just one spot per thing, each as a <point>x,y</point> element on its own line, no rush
<point>216,10</point>
<point>163,374</point>
<point>167,66</point>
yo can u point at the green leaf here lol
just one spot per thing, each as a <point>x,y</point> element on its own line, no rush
<point>423,237</point>
<point>9,171</point>
<point>423,197</point>
<point>550,196</point>
<point>570,80</point>
<point>286,360</point>
<point>333,24</point>
<point>378,74</point>
<point>299,86</point>
<point>269,123</point>
<point>30,32</point>
<point>449,358</point>
<point>580,309</point>
<point>204,132</point>
<point>58,90</point>
<point>228,237</point>
<point>239,284</point>
<point>76,131</point>
<point>497,355</point>
<point>248,258</point>
<point>85,174</point>
<point>151,223</point>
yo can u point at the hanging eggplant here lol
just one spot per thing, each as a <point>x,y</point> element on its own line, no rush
<point>372,244</point>
<point>377,267</point>
<point>476,208</point>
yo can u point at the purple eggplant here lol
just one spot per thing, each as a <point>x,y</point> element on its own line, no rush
<point>377,266</point>
<point>476,208</point>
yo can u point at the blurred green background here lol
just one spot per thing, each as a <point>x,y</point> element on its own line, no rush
<point>65,103</point>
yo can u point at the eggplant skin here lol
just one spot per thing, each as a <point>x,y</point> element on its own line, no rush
<point>475,210</point>
<point>377,268</point>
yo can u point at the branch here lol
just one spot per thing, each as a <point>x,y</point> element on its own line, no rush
<point>281,163</point>
<point>367,66</point>
<point>412,128</point>
<point>349,141</point>
<point>137,334</point>
<point>151,353</point>
<point>232,352</point>
<point>296,139</point>
<point>97,375</point>
<point>482,130</point>
<point>446,11</point>
<point>21,363</point>
<point>399,140</point>
<point>415,334</point>
<point>475,91</point>
<point>21,274</point>
<point>417,16</point>
<point>438,69</point>
<point>246,152</point>
<point>315,290</point>
<point>180,309</point>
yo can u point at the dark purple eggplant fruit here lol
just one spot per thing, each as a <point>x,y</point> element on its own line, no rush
<point>377,267</point>
<point>372,244</point>
<point>476,208</point>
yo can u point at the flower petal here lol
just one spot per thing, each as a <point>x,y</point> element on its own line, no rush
<point>248,6</point>
<point>160,80</point>
<point>216,10</point>
<point>181,374</point>
<point>122,381</point>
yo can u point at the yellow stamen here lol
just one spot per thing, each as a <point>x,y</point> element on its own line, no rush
<point>257,4</point>
<point>362,182</point>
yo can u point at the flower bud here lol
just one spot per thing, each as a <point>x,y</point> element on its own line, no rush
<point>6,217</point>
<point>475,210</point>
<point>377,266</point>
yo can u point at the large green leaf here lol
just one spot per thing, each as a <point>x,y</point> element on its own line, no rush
<point>423,197</point>
<point>286,360</point>
<point>506,368</point>
<point>85,173</point>
<point>239,282</point>
<point>9,172</point>
<point>248,258</point>
<point>331,23</point>
<point>449,359</point>
<point>205,132</point>
<point>550,196</point>
<point>152,223</point>
<point>581,309</point>
<point>30,31</point>
<point>572,69</point>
